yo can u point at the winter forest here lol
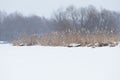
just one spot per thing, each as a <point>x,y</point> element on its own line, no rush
<point>83,19</point>
<point>59,40</point>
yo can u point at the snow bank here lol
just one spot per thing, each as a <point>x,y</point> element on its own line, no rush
<point>59,63</point>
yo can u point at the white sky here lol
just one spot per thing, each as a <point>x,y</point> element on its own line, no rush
<point>46,7</point>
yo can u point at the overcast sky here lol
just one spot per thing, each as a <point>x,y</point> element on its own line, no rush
<point>46,7</point>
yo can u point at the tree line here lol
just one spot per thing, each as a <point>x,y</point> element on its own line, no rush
<point>85,19</point>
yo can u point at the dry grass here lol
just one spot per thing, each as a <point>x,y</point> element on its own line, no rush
<point>68,38</point>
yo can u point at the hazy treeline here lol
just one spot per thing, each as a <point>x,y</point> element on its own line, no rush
<point>77,19</point>
<point>15,24</point>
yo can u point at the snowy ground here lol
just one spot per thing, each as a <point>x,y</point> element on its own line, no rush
<point>59,63</point>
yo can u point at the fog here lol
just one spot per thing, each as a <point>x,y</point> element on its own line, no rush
<point>47,7</point>
<point>43,16</point>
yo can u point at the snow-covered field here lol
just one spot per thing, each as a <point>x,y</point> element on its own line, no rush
<point>59,63</point>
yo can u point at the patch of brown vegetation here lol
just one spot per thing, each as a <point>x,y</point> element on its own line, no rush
<point>68,38</point>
